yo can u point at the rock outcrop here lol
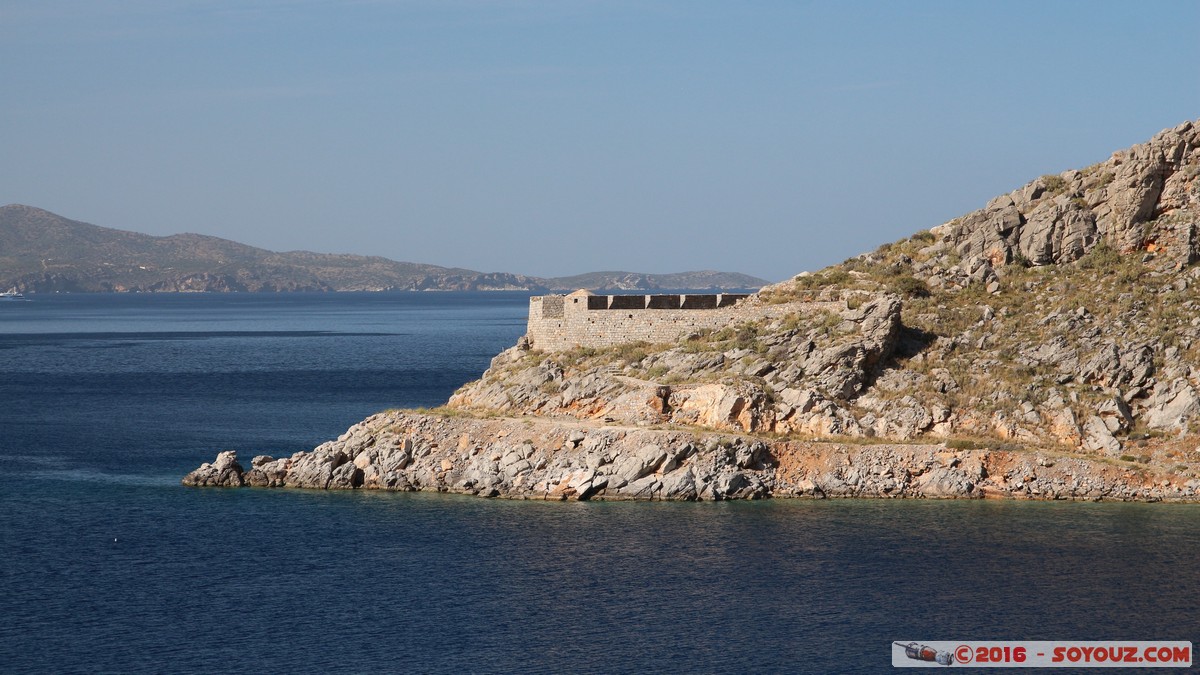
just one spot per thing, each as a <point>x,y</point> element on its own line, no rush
<point>1063,312</point>
<point>1058,219</point>
<point>225,471</point>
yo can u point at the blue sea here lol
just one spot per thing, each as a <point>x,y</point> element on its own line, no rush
<point>108,564</point>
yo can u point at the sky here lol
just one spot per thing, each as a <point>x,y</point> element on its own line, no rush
<point>555,137</point>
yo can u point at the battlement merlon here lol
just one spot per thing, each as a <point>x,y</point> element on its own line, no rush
<point>584,319</point>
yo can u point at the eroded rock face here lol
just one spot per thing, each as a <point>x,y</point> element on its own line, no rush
<point>1057,219</point>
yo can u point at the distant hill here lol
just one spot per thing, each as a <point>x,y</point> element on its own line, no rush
<point>41,252</point>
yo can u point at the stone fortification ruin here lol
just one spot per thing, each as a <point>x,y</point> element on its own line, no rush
<point>583,319</point>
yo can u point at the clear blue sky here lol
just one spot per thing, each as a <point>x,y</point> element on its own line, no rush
<point>561,136</point>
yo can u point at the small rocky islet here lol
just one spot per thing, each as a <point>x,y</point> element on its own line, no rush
<point>1046,346</point>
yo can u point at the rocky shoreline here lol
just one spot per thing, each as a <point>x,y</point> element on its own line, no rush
<point>543,459</point>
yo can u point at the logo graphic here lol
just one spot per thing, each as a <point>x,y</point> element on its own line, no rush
<point>1041,654</point>
<point>925,653</point>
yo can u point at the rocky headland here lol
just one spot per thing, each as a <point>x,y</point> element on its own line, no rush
<point>1045,346</point>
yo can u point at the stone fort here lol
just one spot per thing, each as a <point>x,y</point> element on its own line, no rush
<point>583,319</point>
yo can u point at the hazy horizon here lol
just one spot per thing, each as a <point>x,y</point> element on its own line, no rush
<point>555,138</point>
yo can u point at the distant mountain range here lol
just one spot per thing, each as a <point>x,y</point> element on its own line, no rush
<point>41,252</point>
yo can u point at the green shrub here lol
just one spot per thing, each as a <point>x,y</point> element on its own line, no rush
<point>830,277</point>
<point>1101,257</point>
<point>746,338</point>
<point>909,287</point>
<point>631,352</point>
<point>792,322</point>
<point>1054,184</point>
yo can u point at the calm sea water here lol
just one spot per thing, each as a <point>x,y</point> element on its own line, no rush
<point>108,564</point>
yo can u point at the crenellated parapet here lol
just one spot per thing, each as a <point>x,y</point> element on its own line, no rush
<point>583,319</point>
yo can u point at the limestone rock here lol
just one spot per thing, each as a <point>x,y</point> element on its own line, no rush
<point>225,471</point>
<point>641,463</point>
<point>945,483</point>
<point>680,486</point>
<point>1057,219</point>
<point>1097,437</point>
<point>1172,407</point>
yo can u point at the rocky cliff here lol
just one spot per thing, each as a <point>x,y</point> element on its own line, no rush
<point>1057,324</point>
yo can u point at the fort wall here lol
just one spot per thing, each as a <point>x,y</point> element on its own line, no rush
<point>558,322</point>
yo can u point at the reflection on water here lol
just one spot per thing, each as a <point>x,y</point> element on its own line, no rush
<point>91,476</point>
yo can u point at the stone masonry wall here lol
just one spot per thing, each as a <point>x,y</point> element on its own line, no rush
<point>558,323</point>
